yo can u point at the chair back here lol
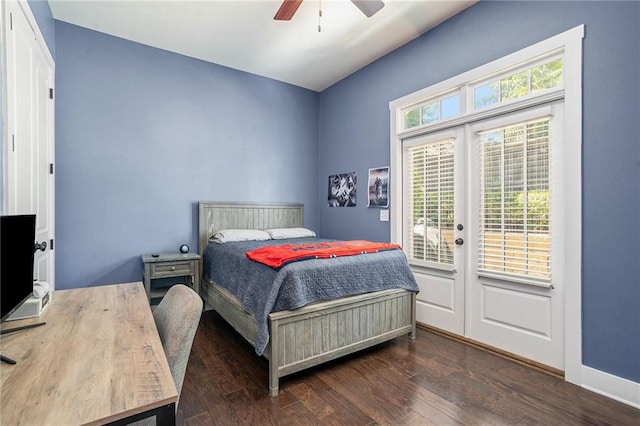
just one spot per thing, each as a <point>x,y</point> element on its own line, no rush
<point>177,317</point>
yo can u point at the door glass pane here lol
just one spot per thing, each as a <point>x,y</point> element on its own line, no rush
<point>514,201</point>
<point>431,202</point>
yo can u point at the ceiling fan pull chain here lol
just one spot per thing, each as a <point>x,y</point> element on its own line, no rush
<point>319,14</point>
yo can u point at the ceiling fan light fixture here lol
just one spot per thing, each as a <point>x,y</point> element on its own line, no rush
<point>288,8</point>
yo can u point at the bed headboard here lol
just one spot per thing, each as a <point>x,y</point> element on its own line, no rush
<point>214,216</point>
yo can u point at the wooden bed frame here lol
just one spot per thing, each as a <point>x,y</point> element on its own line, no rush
<point>313,334</point>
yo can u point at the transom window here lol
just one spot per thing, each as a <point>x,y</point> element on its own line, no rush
<point>525,82</point>
<point>435,109</point>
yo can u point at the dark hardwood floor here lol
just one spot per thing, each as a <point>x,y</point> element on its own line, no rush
<point>436,381</point>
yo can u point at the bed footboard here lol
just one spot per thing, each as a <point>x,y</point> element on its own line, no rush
<point>321,332</point>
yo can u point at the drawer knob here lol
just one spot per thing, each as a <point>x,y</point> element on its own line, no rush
<point>173,268</point>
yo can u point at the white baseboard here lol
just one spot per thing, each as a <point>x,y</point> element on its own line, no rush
<point>611,386</point>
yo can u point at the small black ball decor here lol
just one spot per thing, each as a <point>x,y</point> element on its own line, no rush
<point>184,248</point>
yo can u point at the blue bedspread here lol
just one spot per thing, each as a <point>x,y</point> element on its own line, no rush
<point>262,290</point>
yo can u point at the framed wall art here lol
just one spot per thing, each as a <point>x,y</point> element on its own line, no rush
<point>378,186</point>
<point>342,190</point>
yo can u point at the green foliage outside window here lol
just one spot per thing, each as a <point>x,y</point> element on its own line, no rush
<point>523,83</point>
<point>412,118</point>
<point>536,208</point>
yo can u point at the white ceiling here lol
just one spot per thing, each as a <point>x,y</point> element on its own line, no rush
<point>242,34</point>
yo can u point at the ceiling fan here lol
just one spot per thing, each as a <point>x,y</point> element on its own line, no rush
<point>288,8</point>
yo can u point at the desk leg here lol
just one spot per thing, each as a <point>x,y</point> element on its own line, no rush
<point>165,416</point>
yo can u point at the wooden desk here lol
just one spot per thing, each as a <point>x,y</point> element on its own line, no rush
<point>98,359</point>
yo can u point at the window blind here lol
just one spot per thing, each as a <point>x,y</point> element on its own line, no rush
<point>431,201</point>
<point>514,230</point>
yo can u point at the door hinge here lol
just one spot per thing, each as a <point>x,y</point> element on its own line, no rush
<point>13,143</point>
<point>50,168</point>
<point>11,21</point>
<point>50,93</point>
<point>51,244</point>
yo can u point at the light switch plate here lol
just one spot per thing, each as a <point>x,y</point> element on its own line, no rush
<point>384,215</point>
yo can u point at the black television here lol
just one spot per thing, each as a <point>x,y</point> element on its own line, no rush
<point>17,240</point>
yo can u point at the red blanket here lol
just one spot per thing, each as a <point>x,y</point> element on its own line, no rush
<point>278,256</point>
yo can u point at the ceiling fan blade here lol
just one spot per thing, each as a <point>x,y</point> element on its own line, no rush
<point>368,7</point>
<point>287,9</point>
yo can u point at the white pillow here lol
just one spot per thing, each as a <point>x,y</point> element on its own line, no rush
<point>230,235</point>
<point>282,233</point>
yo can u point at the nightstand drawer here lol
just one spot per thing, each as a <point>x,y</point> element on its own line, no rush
<point>170,265</point>
<point>172,269</point>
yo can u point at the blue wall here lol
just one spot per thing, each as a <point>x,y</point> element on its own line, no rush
<point>354,136</point>
<point>42,12</point>
<point>142,134</point>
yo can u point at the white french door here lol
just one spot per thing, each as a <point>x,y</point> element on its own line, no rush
<point>480,203</point>
<point>434,226</point>
<point>517,209</point>
<point>515,296</point>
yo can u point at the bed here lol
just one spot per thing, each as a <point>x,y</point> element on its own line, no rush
<point>313,334</point>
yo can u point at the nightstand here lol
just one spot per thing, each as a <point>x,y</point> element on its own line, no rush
<point>170,265</point>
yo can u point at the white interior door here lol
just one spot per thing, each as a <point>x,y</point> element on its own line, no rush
<point>433,226</point>
<point>514,285</point>
<point>29,148</point>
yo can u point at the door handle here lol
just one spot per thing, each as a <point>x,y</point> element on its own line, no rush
<point>40,246</point>
<point>459,241</point>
